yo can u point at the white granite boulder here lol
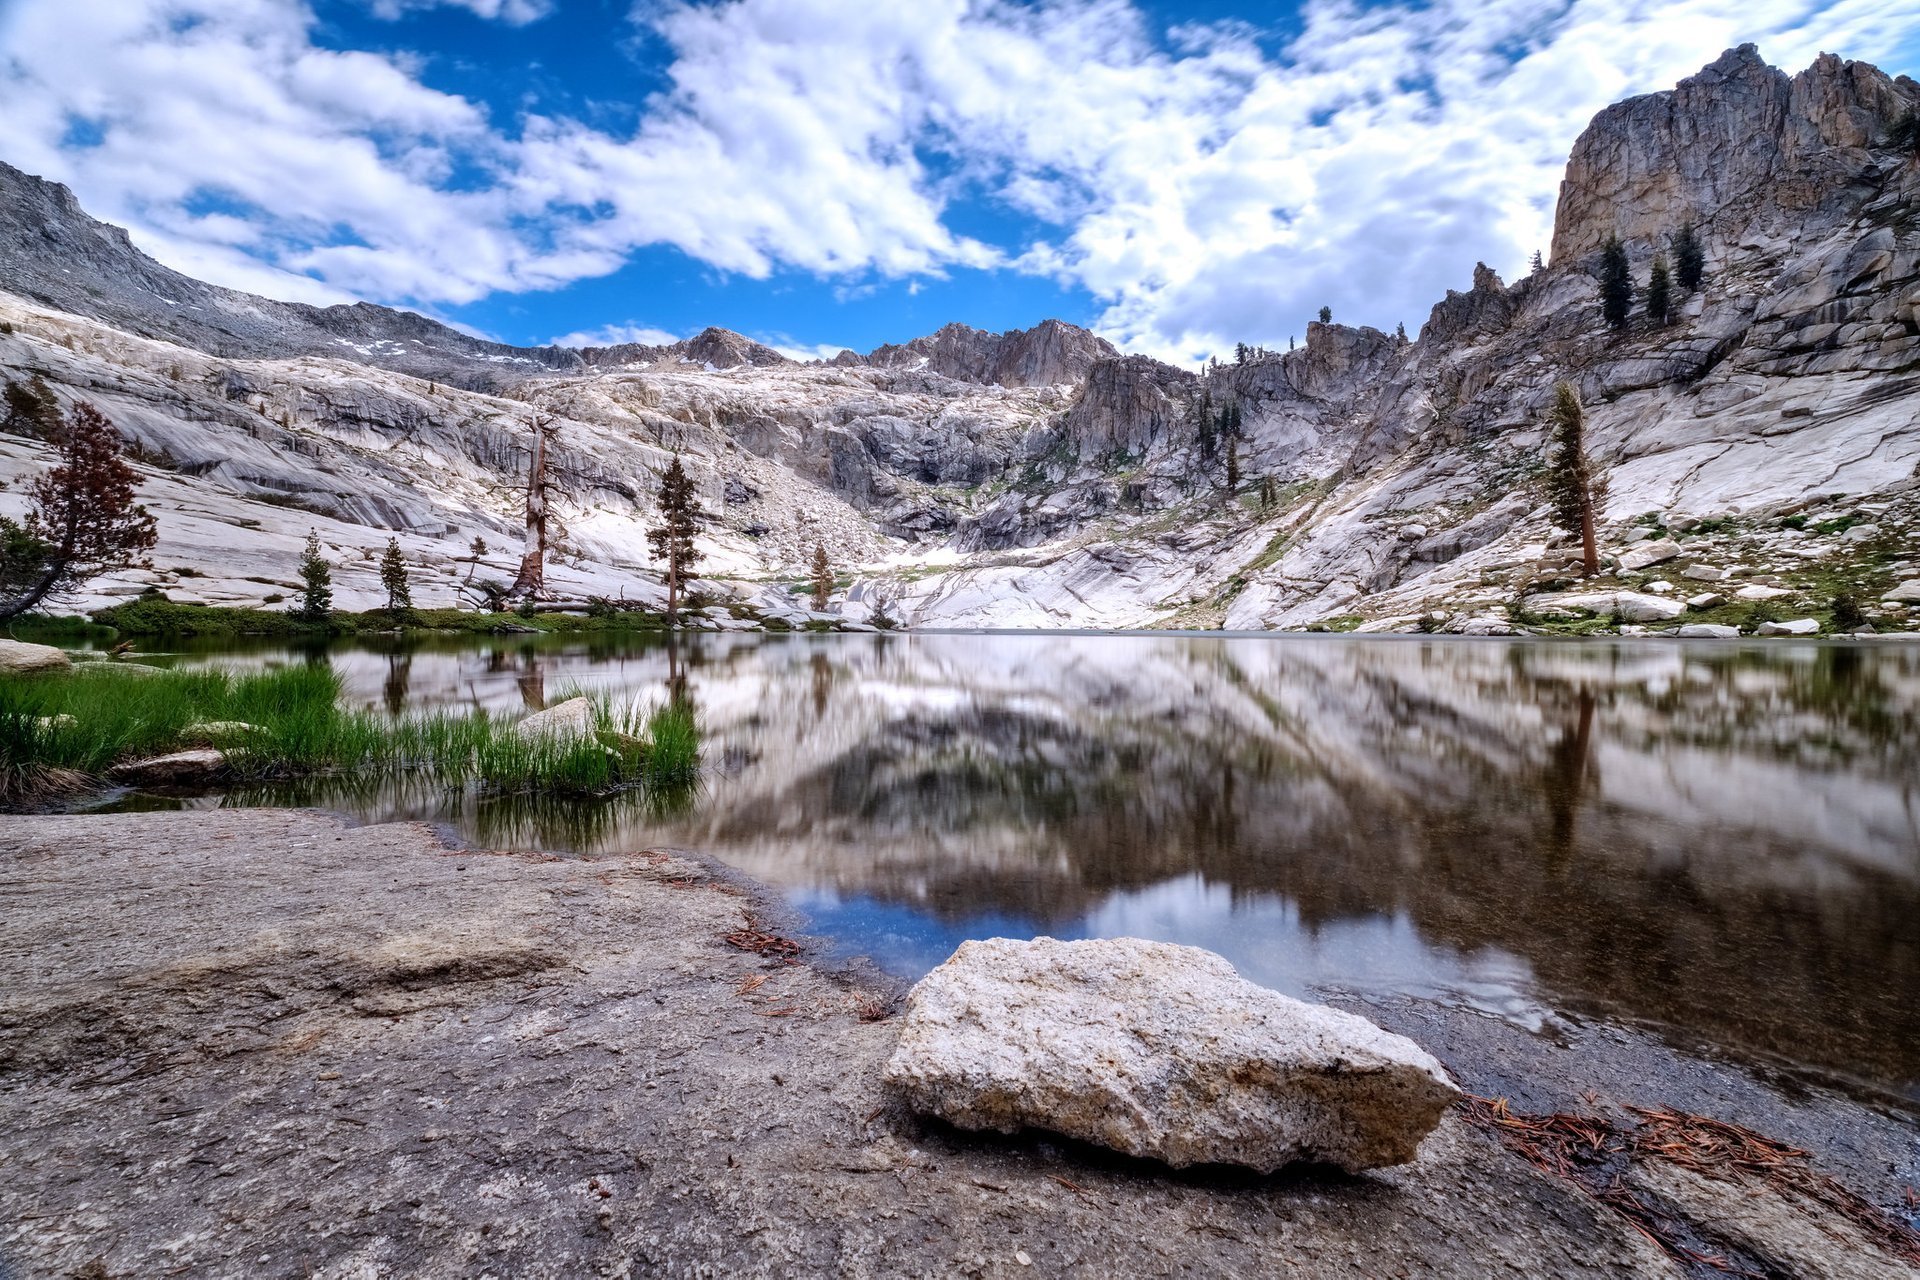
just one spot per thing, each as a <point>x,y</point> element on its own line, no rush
<point>18,658</point>
<point>1647,554</point>
<point>1633,606</point>
<point>1160,1051</point>
<point>570,719</point>
<point>1797,627</point>
<point>197,768</point>
<point>1707,631</point>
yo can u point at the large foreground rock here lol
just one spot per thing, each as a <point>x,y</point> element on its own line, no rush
<point>18,658</point>
<point>199,767</point>
<point>1163,1051</point>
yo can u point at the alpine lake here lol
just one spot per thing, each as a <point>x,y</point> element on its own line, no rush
<point>1715,842</point>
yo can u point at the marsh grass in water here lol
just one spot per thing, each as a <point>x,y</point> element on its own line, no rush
<point>61,731</point>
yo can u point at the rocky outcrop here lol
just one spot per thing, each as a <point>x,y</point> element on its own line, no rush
<point>1739,147</point>
<point>1160,1051</point>
<point>1052,353</point>
<point>1130,404</point>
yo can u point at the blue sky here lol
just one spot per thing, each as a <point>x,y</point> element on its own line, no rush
<point>819,173</point>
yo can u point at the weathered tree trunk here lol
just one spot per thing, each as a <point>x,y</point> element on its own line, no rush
<point>1589,543</point>
<point>33,595</point>
<point>531,582</point>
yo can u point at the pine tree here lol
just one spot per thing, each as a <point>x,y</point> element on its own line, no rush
<point>1233,466</point>
<point>1326,315</point>
<point>1400,333</point>
<point>316,592</point>
<point>1577,492</point>
<point>393,576</point>
<point>1208,425</point>
<point>1269,495</point>
<point>31,409</point>
<point>82,520</point>
<point>1659,292</point>
<point>478,550</point>
<point>1616,283</point>
<point>1689,258</point>
<point>672,540</point>
<point>1239,353</point>
<point>1537,264</point>
<point>822,579</point>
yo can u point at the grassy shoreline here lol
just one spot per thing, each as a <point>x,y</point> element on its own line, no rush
<point>65,731</point>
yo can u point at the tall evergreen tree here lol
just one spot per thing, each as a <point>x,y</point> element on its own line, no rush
<point>1689,258</point>
<point>393,576</point>
<point>477,549</point>
<point>672,539</point>
<point>1537,264</point>
<point>1577,491</point>
<point>1326,315</point>
<point>1233,466</point>
<point>316,579</point>
<point>1659,291</point>
<point>1616,283</point>
<point>822,579</point>
<point>1209,425</point>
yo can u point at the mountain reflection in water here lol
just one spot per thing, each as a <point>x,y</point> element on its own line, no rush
<point>1722,840</point>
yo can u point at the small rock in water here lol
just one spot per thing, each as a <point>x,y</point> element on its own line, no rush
<point>180,769</point>
<point>1161,1051</point>
<point>570,719</point>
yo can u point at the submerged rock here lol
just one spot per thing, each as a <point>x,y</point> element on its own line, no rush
<point>570,719</point>
<point>19,658</point>
<point>1161,1051</point>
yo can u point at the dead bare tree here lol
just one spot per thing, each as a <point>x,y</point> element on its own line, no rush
<point>531,582</point>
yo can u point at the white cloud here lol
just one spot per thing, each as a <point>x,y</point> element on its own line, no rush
<point>1212,193</point>
<point>802,351</point>
<point>616,335</point>
<point>515,13</point>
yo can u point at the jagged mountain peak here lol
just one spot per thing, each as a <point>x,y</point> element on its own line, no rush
<point>1051,353</point>
<point>1740,149</point>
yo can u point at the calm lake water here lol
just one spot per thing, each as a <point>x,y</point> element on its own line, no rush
<point>1718,841</point>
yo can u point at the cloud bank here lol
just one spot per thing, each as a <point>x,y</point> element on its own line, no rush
<point>1205,184</point>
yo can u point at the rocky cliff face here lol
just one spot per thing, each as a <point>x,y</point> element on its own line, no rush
<point>1052,353</point>
<point>1038,478</point>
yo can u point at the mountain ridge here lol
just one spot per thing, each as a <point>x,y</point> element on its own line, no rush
<point>1040,478</point>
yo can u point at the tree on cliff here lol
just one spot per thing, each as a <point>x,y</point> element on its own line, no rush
<point>1659,291</point>
<point>31,409</point>
<point>83,520</point>
<point>822,579</point>
<point>1616,283</point>
<point>1689,258</point>
<point>672,539</point>
<point>531,582</point>
<point>1577,492</point>
<point>393,576</point>
<point>1326,315</point>
<point>1233,466</point>
<point>316,579</point>
<point>478,550</point>
<point>1209,425</point>
<point>1536,264</point>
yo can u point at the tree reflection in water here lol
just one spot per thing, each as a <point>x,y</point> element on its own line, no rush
<point>1720,840</point>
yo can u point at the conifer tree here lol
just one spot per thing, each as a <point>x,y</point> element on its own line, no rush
<point>1326,315</point>
<point>477,550</point>
<point>1659,291</point>
<point>31,408</point>
<point>1689,258</point>
<point>82,520</point>
<point>672,539</point>
<point>1577,492</point>
<point>393,576</point>
<point>822,579</point>
<point>1208,425</point>
<point>1400,333</point>
<point>1269,495</point>
<point>1233,466</point>
<point>1616,283</point>
<point>316,578</point>
<point>1537,264</point>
